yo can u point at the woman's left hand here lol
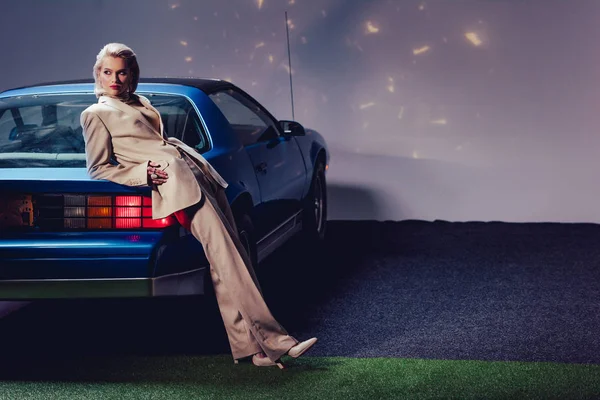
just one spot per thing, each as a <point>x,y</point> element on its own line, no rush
<point>156,176</point>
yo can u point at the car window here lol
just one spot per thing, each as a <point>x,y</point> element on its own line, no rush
<point>181,120</point>
<point>44,130</point>
<point>249,122</point>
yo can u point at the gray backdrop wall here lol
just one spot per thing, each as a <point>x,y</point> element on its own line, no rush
<point>456,110</point>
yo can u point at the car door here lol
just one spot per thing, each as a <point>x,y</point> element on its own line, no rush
<point>277,161</point>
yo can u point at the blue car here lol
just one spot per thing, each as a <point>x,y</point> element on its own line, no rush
<point>64,235</point>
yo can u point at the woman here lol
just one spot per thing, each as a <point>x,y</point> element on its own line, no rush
<point>124,127</point>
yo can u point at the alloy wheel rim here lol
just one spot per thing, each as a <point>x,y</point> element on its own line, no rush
<point>318,199</point>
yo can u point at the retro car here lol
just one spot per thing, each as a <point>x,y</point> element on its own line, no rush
<point>64,235</point>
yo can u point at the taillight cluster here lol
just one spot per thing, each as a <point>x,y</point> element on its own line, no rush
<point>98,212</point>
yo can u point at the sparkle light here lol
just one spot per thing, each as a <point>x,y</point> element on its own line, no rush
<point>371,28</point>
<point>291,24</point>
<point>421,50</point>
<point>271,58</point>
<point>441,121</point>
<point>351,43</point>
<point>421,6</point>
<point>183,42</point>
<point>287,68</point>
<point>415,155</point>
<point>292,2</point>
<point>174,6</point>
<point>259,45</point>
<point>259,3</point>
<point>188,59</point>
<point>473,38</point>
<point>390,87</point>
<point>367,105</point>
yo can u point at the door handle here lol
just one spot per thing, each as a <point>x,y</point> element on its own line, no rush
<point>261,168</point>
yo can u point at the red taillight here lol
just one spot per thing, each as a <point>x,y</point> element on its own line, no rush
<point>128,223</point>
<point>111,212</point>
<point>129,201</point>
<point>128,212</point>
<point>158,223</point>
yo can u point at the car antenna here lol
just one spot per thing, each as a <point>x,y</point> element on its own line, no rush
<point>287,30</point>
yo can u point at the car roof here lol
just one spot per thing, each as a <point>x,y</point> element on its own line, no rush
<point>206,85</point>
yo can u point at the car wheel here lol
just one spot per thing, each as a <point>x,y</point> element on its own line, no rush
<point>247,237</point>
<point>314,220</point>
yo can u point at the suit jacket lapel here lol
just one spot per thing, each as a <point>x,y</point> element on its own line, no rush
<point>147,104</point>
<point>127,109</point>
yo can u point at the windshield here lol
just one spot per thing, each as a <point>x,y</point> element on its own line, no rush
<point>44,130</point>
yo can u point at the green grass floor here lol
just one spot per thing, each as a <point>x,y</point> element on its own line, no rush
<point>203,377</point>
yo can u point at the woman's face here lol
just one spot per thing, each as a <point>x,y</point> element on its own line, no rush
<point>115,76</point>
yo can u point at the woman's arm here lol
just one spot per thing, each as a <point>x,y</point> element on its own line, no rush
<point>98,153</point>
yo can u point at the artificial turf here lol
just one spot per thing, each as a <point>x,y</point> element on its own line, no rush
<point>215,377</point>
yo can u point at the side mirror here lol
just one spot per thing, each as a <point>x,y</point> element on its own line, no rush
<point>292,128</point>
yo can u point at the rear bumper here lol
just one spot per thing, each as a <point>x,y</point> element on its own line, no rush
<point>180,284</point>
<point>64,265</point>
<point>78,255</point>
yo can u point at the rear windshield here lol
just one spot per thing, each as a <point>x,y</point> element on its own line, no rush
<point>44,130</point>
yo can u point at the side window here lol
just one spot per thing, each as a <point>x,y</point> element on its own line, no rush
<point>181,121</point>
<point>248,121</point>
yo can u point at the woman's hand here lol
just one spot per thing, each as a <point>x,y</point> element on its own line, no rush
<point>156,176</point>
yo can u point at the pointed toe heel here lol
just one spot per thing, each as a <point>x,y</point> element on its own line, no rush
<point>301,348</point>
<point>265,362</point>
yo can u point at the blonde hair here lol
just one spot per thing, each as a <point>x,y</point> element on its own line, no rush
<point>121,51</point>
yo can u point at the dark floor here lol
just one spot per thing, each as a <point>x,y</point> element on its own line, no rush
<point>485,291</point>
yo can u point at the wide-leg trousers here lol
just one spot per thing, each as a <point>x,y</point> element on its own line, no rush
<point>250,326</point>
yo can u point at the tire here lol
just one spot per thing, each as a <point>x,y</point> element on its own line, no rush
<point>314,222</point>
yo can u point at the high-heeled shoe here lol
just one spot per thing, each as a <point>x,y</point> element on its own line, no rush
<point>301,347</point>
<point>261,360</point>
<point>264,361</point>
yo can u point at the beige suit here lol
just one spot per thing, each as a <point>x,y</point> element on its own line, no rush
<point>115,130</point>
<point>132,140</point>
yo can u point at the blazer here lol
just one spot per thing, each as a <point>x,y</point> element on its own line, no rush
<point>114,131</point>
